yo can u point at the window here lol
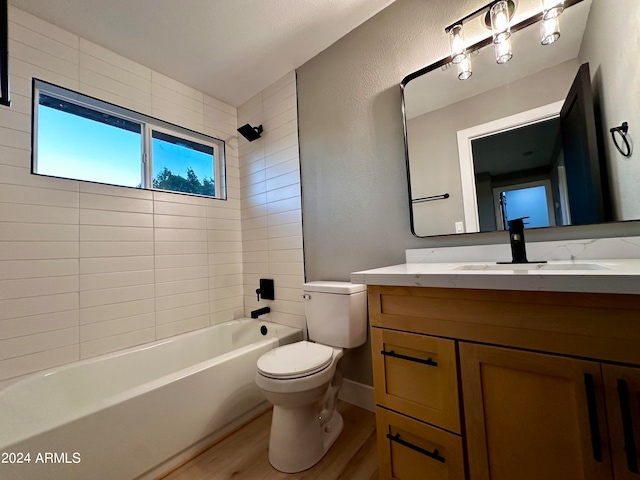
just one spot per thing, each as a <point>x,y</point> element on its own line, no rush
<point>4,54</point>
<point>81,138</point>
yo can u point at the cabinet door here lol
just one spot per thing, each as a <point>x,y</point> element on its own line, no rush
<point>408,449</point>
<point>622,387</point>
<point>416,375</point>
<point>531,416</point>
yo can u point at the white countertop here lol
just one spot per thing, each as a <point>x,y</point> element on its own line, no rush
<point>611,276</point>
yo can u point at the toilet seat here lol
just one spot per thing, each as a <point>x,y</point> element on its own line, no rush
<point>296,360</point>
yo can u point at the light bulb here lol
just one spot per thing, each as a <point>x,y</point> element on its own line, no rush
<point>549,31</point>
<point>499,14</point>
<point>457,44</point>
<point>464,68</point>
<point>551,9</point>
<point>503,51</point>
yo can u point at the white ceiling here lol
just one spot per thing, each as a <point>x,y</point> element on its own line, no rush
<point>228,49</point>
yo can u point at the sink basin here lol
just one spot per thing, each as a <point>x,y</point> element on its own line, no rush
<point>533,266</point>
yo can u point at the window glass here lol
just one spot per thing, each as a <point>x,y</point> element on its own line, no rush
<point>182,165</point>
<point>83,138</point>
<point>80,143</point>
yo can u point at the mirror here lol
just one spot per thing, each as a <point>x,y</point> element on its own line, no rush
<point>510,142</point>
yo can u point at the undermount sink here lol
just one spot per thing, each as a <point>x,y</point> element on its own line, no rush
<point>533,266</point>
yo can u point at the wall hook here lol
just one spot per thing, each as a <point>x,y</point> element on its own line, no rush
<point>622,131</point>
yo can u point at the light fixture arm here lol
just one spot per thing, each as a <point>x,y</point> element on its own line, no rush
<point>472,15</point>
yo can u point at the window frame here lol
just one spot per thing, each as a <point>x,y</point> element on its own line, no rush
<point>5,98</point>
<point>147,123</point>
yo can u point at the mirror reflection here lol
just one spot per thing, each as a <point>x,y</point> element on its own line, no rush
<point>529,138</point>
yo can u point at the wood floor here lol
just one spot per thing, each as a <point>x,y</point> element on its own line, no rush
<point>243,454</point>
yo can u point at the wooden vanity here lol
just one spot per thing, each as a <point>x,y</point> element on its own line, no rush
<point>505,384</point>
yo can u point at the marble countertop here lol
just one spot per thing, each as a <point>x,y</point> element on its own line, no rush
<point>590,276</point>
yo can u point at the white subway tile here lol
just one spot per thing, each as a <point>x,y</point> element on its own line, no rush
<point>284,205</point>
<point>180,198</point>
<point>179,235</point>
<point>138,104</point>
<point>42,42</point>
<point>117,219</point>
<point>178,261</point>
<point>181,300</point>
<point>99,66</point>
<point>34,287</point>
<point>287,230</point>
<point>224,270</point>
<point>99,346</point>
<point>180,248</point>
<point>111,203</point>
<point>286,82</point>
<point>223,316</point>
<point>216,224</point>
<point>173,221</point>
<point>10,174</point>
<point>184,101</point>
<point>225,235</point>
<point>286,268</point>
<point>24,364</point>
<point>47,29</point>
<point>95,298</point>
<point>24,307</point>
<point>45,60</point>
<point>255,245</point>
<point>255,257</point>
<point>176,86</point>
<point>38,232</point>
<point>39,342</point>
<point>93,331</point>
<point>116,310</point>
<point>289,281</point>
<point>37,250</point>
<point>13,119</point>
<point>221,258</point>
<point>225,304</point>
<point>286,180</point>
<point>179,209</point>
<point>176,328</point>
<point>291,166</point>
<point>25,326</point>
<point>181,273</point>
<point>281,144</point>
<point>222,247</point>
<point>15,139</point>
<point>99,281</point>
<point>224,107</point>
<point>286,104</point>
<point>114,59</point>
<point>115,190</point>
<point>116,264</point>
<point>225,281</point>
<point>181,286</point>
<point>291,191</point>
<point>280,119</point>
<point>14,269</point>
<point>285,243</point>
<point>23,69</point>
<point>254,223</point>
<point>20,194</point>
<point>19,213</point>
<point>261,268</point>
<point>223,211</point>
<point>182,313</point>
<point>232,291</point>
<point>115,249</point>
<point>98,233</point>
<point>14,157</point>
<point>294,255</point>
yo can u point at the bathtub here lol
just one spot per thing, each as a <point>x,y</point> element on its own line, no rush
<point>128,414</point>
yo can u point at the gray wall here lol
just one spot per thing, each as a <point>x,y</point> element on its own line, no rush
<point>354,193</point>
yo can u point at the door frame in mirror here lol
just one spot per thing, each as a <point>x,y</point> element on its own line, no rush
<point>465,155</point>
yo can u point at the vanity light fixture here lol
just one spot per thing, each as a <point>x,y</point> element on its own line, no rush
<point>549,31</point>
<point>464,68</point>
<point>552,8</point>
<point>456,40</point>
<point>499,15</point>
<point>503,51</point>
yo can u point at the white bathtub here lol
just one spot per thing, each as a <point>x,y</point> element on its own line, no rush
<point>120,415</point>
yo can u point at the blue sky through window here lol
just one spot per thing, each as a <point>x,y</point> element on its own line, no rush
<point>72,146</point>
<point>179,157</point>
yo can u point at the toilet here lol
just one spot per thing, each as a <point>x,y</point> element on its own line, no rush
<point>302,381</point>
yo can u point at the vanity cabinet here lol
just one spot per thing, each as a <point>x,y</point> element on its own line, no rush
<point>548,384</point>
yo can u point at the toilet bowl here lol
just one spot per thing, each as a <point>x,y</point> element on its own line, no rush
<point>302,379</point>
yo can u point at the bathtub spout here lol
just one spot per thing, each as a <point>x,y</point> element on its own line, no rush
<point>260,311</point>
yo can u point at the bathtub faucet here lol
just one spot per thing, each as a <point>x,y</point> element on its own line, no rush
<point>260,311</point>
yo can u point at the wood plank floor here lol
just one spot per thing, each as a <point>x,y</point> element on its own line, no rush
<point>243,454</point>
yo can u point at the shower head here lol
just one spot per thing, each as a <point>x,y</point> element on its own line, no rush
<point>250,133</point>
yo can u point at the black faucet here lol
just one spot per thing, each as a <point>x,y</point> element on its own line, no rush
<point>516,237</point>
<point>260,311</point>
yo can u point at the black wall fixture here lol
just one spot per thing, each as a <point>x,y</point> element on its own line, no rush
<point>4,54</point>
<point>249,132</point>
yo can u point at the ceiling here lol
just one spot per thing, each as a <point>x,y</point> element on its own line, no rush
<point>228,49</point>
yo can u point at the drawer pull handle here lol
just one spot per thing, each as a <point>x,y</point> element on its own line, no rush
<point>627,426</point>
<point>393,354</point>
<point>435,455</point>
<point>593,416</point>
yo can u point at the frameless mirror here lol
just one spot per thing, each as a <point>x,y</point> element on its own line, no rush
<point>530,137</point>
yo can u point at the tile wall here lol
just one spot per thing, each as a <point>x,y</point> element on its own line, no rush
<point>271,202</point>
<point>86,268</point>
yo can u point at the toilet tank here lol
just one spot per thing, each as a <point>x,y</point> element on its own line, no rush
<point>336,313</point>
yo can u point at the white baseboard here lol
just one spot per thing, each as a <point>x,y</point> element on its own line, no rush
<point>357,394</point>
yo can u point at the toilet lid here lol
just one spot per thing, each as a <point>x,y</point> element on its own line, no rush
<point>295,360</point>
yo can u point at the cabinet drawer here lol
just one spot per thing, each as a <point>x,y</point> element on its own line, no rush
<point>408,449</point>
<point>417,375</point>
